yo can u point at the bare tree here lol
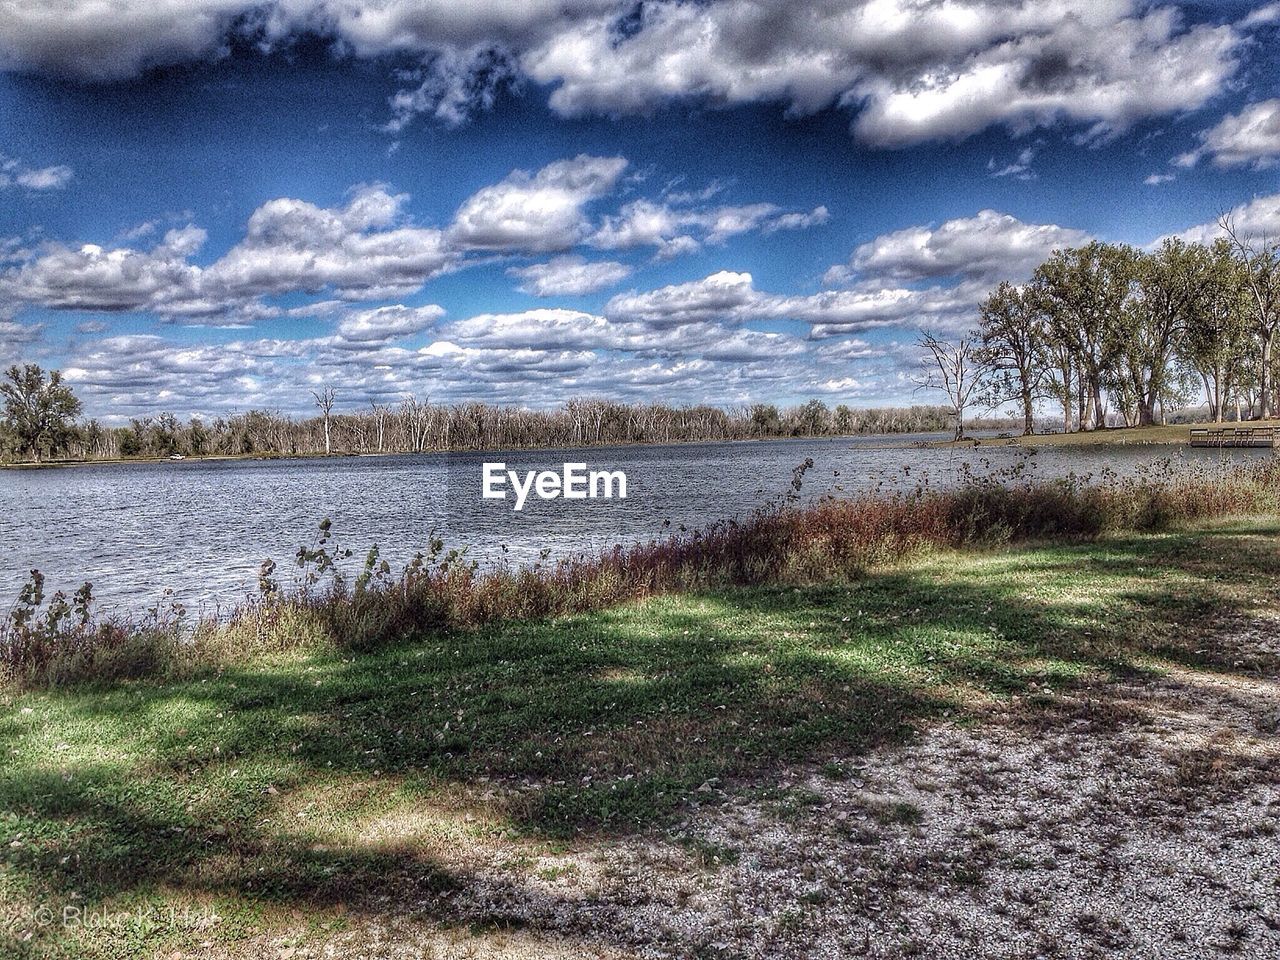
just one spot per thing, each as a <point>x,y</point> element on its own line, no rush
<point>1260,258</point>
<point>953,368</point>
<point>324,400</point>
<point>380,413</point>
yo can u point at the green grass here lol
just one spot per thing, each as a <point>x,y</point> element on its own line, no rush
<point>323,782</point>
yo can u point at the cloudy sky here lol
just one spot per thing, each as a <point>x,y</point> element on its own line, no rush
<point>212,205</point>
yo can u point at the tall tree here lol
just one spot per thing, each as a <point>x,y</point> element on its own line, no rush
<point>39,411</point>
<point>1083,292</point>
<point>1013,348</point>
<point>1216,338</point>
<point>955,369</point>
<point>1260,262</point>
<point>1164,288</point>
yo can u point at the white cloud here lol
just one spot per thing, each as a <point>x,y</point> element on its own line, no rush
<point>569,276</point>
<point>728,298</point>
<point>1158,179</point>
<point>911,69</point>
<point>1250,138</point>
<point>15,173</point>
<point>1260,217</point>
<point>1019,169</point>
<point>91,277</point>
<point>991,245</point>
<point>671,227</point>
<point>540,212</point>
<point>533,329</point>
<point>387,323</point>
<point>362,250</point>
<point>721,296</point>
<point>1098,68</point>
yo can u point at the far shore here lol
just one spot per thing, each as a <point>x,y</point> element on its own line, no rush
<point>1171,435</point>
<point>892,440</point>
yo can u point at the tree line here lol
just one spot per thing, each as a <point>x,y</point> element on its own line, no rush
<point>1109,328</point>
<point>41,423</point>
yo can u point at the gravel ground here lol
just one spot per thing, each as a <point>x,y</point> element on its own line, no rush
<point>1127,820</point>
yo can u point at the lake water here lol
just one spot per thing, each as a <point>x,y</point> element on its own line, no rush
<point>201,528</point>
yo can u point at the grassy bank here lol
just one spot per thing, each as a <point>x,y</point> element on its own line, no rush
<point>1168,436</point>
<point>286,799</point>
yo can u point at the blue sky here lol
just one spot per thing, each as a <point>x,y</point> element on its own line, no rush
<point>212,205</point>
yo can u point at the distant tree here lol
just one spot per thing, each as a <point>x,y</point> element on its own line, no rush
<point>324,400</point>
<point>765,420</point>
<point>955,369</point>
<point>1013,338</point>
<point>812,418</point>
<point>843,420</point>
<point>197,437</point>
<point>39,411</point>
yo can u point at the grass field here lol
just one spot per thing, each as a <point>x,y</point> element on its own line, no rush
<point>263,809</point>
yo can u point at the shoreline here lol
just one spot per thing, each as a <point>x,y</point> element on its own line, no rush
<point>1171,435</point>
<point>904,443</point>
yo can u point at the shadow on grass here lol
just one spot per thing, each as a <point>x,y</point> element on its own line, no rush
<point>240,784</point>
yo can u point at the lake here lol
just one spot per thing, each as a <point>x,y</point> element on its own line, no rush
<point>201,528</point>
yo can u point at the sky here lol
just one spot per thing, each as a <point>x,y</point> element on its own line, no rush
<point>208,206</point>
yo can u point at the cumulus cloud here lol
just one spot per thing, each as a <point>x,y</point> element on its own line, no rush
<point>991,246</point>
<point>1103,65</point>
<point>533,329</point>
<point>909,69</point>
<point>388,323</point>
<point>362,250</point>
<point>728,298</point>
<point>540,212</point>
<point>369,248</point>
<point>91,277</point>
<point>1250,138</point>
<point>569,276</point>
<point>675,229</point>
<point>722,296</point>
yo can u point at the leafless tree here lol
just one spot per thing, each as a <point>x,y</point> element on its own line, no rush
<point>380,413</point>
<point>324,400</point>
<point>953,368</point>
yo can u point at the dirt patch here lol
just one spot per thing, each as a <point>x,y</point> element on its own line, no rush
<point>1136,819</point>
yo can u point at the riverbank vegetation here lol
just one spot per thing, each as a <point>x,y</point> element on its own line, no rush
<point>40,424</point>
<point>50,638</point>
